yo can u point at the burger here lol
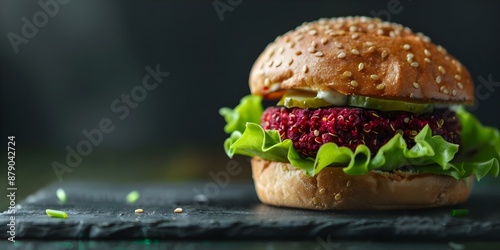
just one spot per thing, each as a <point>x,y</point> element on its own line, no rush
<point>362,114</point>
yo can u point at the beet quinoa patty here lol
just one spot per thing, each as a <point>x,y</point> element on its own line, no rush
<point>345,126</point>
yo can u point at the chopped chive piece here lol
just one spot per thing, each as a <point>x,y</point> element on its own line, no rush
<point>61,195</point>
<point>56,213</point>
<point>132,197</point>
<point>455,246</point>
<point>459,212</point>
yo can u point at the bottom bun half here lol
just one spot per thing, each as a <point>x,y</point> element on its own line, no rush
<point>281,184</point>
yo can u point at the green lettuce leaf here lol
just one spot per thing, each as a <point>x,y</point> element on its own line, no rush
<point>249,110</point>
<point>479,156</point>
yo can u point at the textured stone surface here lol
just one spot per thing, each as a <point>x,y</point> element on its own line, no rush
<point>100,211</point>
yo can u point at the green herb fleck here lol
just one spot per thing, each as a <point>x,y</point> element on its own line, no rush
<point>459,212</point>
<point>132,197</point>
<point>56,213</point>
<point>455,246</point>
<point>61,195</point>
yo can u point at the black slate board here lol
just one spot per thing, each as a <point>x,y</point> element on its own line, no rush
<point>99,211</point>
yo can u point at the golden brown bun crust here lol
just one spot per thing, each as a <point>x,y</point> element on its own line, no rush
<point>327,54</point>
<point>280,184</point>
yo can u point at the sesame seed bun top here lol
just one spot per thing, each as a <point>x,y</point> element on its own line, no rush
<point>361,56</point>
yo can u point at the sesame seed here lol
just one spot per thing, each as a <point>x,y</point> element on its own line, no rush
<point>354,83</point>
<point>406,120</point>
<point>406,47</point>
<point>458,77</point>
<point>442,88</point>
<point>313,44</point>
<point>278,63</point>
<point>299,37</point>
<point>361,66</point>
<point>316,132</point>
<point>298,52</point>
<point>347,74</point>
<point>392,34</point>
<point>460,86</point>
<point>290,61</point>
<point>312,32</point>
<point>370,26</point>
<point>445,91</point>
<point>341,55</point>
<point>374,77</point>
<point>280,50</point>
<point>384,54</point>
<point>324,41</point>
<point>414,64</point>
<point>416,85</point>
<point>380,86</point>
<point>305,69</point>
<point>355,51</point>
<point>267,82</point>
<point>287,39</point>
<point>270,54</point>
<point>441,69</point>
<point>441,49</point>
<point>411,95</point>
<point>322,190</point>
<point>355,36</point>
<point>315,201</point>
<point>311,50</point>
<point>380,32</point>
<point>368,44</point>
<point>178,210</point>
<point>438,79</point>
<point>338,197</point>
<point>353,28</point>
<point>409,60</point>
<point>337,44</point>
<point>410,56</point>
<point>318,54</point>
<point>348,184</point>
<point>454,92</point>
<point>139,210</point>
<point>427,60</point>
<point>427,53</point>
<point>270,64</point>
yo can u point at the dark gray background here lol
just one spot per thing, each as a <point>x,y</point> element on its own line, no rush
<point>90,52</point>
